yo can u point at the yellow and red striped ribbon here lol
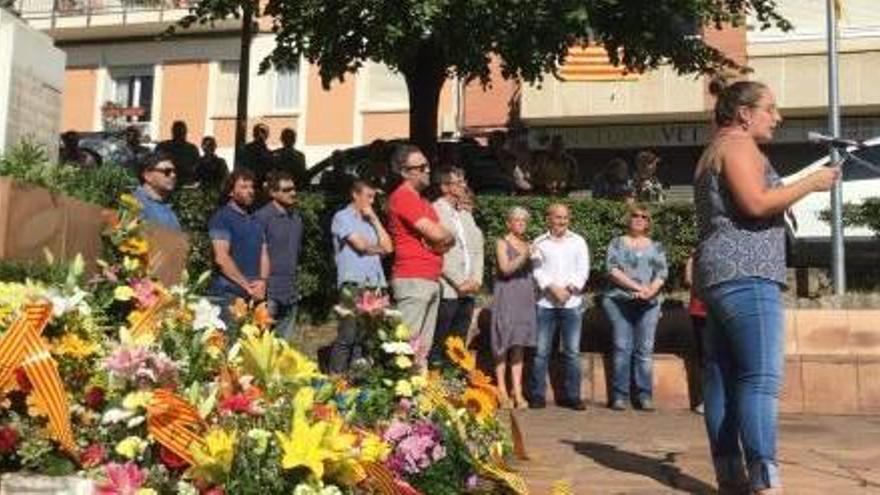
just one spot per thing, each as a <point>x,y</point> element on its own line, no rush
<point>148,322</point>
<point>23,346</point>
<point>174,423</point>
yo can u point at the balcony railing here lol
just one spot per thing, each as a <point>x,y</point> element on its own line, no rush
<point>53,10</point>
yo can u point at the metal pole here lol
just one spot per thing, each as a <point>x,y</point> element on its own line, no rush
<point>838,260</point>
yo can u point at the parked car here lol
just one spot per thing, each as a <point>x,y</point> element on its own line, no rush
<point>811,240</point>
<point>335,173</point>
<point>107,147</point>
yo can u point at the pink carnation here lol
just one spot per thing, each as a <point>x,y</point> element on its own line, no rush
<point>372,302</point>
<point>126,361</point>
<point>122,479</point>
<point>144,292</point>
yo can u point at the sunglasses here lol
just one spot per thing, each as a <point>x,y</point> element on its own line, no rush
<point>167,172</point>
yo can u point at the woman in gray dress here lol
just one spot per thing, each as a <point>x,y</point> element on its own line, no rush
<point>513,311</point>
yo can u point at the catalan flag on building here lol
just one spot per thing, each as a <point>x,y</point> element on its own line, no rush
<point>591,63</point>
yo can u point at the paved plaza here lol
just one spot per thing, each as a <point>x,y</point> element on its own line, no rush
<point>603,452</point>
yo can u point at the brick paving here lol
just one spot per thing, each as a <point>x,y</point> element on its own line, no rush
<point>603,452</point>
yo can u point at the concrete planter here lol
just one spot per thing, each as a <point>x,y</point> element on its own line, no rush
<point>32,484</point>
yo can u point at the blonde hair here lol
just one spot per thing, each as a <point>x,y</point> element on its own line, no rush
<point>518,212</point>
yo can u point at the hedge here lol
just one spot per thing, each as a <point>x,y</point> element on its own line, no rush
<point>598,221</point>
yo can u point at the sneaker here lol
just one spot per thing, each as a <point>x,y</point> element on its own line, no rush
<point>646,405</point>
<point>618,405</point>
<point>699,409</point>
<point>537,404</point>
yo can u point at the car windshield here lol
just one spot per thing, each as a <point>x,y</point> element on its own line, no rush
<point>853,171</point>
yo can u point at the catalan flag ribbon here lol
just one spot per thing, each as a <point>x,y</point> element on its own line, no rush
<point>591,63</point>
<point>174,423</point>
<point>148,323</point>
<point>23,346</point>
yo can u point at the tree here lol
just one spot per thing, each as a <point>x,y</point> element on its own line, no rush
<point>429,41</point>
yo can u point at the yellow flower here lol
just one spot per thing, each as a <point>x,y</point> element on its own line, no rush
<point>480,404</point>
<point>70,344</point>
<point>249,330</point>
<point>134,246</point>
<point>36,407</point>
<point>418,381</point>
<point>403,388</point>
<point>295,365</point>
<point>459,354</point>
<point>403,362</point>
<point>131,264</point>
<point>128,201</point>
<point>303,446</point>
<point>136,400</point>
<point>479,380</point>
<point>213,459</point>
<point>131,447</point>
<point>146,491</point>
<point>123,293</point>
<point>374,449</point>
<point>401,332</point>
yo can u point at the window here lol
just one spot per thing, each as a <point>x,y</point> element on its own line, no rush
<point>853,171</point>
<point>227,88</point>
<point>132,90</point>
<point>385,89</point>
<point>287,89</point>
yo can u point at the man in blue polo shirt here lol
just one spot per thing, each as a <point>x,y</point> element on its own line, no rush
<point>359,242</point>
<point>282,230</point>
<point>241,259</point>
<point>158,178</point>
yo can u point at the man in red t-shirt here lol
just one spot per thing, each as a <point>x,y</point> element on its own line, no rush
<point>419,244</point>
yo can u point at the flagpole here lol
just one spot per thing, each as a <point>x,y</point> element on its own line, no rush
<point>838,260</point>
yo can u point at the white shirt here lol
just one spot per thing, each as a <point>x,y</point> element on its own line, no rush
<point>561,261</point>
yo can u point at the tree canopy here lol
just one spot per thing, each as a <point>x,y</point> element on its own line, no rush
<point>429,41</point>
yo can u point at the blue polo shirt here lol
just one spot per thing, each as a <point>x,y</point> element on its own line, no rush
<point>245,237</point>
<point>156,211</point>
<point>283,231</point>
<point>352,267</point>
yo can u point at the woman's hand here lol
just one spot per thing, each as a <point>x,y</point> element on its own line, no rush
<point>824,178</point>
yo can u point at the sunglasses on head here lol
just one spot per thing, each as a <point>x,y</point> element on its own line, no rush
<point>167,172</point>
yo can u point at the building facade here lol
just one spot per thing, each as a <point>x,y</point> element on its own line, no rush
<point>120,73</point>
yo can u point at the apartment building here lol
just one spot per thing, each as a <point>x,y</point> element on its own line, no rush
<point>119,72</point>
<point>616,115</point>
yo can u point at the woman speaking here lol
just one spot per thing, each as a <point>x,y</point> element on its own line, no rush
<point>740,272</point>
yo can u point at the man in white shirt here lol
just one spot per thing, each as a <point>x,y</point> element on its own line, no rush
<point>562,266</point>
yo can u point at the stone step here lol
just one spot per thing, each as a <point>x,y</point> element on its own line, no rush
<point>815,384</point>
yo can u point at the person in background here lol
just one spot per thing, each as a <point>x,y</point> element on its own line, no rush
<point>158,178</point>
<point>562,172</point>
<point>241,258</point>
<point>637,270</point>
<point>561,269</point>
<point>211,170</point>
<point>697,312</point>
<point>72,154</point>
<point>184,154</point>
<point>648,188</point>
<point>419,244</point>
<point>739,271</point>
<point>138,152</point>
<point>256,157</point>
<point>359,243</point>
<point>614,182</point>
<point>462,274</point>
<point>283,233</point>
<point>514,325</point>
<point>290,159</point>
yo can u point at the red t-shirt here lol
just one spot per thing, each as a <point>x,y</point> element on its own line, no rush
<point>412,257</point>
<point>697,307</point>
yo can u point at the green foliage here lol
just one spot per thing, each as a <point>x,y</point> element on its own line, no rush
<point>101,185</point>
<point>866,214</point>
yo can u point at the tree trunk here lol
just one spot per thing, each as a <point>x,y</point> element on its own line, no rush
<point>244,71</point>
<point>424,81</point>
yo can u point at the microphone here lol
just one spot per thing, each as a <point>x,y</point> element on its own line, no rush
<point>824,139</point>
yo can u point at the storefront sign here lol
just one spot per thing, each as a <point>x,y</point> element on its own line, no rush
<point>686,133</point>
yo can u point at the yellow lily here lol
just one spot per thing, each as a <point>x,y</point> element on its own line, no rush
<point>303,446</point>
<point>213,460</point>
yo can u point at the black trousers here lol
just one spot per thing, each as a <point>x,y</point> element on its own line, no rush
<point>453,319</point>
<point>347,346</point>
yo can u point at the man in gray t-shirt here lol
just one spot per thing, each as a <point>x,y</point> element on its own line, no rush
<point>359,242</point>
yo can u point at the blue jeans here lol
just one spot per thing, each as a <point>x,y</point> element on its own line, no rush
<point>744,355</point>
<point>284,315</point>
<point>634,325</point>
<point>569,319</point>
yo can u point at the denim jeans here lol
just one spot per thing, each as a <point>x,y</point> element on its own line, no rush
<point>744,355</point>
<point>634,325</point>
<point>569,320</point>
<point>284,315</point>
<point>348,345</point>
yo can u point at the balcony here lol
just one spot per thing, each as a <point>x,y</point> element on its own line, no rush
<point>91,19</point>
